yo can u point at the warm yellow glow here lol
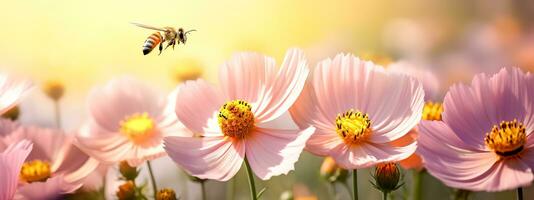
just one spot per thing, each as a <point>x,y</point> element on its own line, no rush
<point>138,127</point>
<point>353,126</point>
<point>507,139</point>
<point>88,42</point>
<point>236,119</point>
<point>35,171</point>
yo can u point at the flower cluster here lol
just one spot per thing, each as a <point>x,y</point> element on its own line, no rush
<point>355,113</point>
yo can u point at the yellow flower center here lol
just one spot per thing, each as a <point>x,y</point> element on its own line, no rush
<point>35,171</point>
<point>138,127</point>
<point>432,111</point>
<point>236,119</point>
<point>507,139</point>
<point>353,126</point>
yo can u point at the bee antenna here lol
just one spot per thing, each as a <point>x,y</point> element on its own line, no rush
<point>190,31</point>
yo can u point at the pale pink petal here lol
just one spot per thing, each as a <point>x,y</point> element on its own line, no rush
<point>46,142</point>
<point>471,111</point>
<point>246,76</point>
<point>323,141</point>
<point>197,101</point>
<point>7,126</point>
<point>368,154</point>
<point>122,97</point>
<point>107,148</point>
<point>169,124</point>
<point>11,91</point>
<point>429,80</point>
<point>285,89</point>
<point>217,158</point>
<point>393,102</point>
<point>272,152</point>
<point>53,188</point>
<point>11,161</point>
<point>72,162</point>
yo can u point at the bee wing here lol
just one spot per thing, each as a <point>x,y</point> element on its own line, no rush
<point>147,26</point>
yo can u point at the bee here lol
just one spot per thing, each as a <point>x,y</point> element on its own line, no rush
<point>168,34</point>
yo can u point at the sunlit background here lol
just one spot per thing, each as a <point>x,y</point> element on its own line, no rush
<point>86,43</point>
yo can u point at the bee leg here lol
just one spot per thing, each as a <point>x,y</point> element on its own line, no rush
<point>160,48</point>
<point>174,43</point>
<point>168,44</point>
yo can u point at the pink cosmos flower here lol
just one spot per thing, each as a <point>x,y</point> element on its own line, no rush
<point>233,120</point>
<point>54,167</point>
<point>11,161</point>
<point>11,91</point>
<point>431,111</point>
<point>128,122</point>
<point>359,109</point>
<point>485,141</point>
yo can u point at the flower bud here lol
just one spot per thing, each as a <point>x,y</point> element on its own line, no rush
<point>387,177</point>
<point>126,191</point>
<point>127,171</point>
<point>166,194</point>
<point>54,90</point>
<point>331,171</point>
<point>12,114</point>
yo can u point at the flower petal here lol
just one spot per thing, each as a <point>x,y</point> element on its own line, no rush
<point>272,152</point>
<point>120,98</point>
<point>246,77</point>
<point>11,161</point>
<point>471,111</point>
<point>107,148</point>
<point>287,87</point>
<point>217,158</point>
<point>11,91</point>
<point>197,101</point>
<point>368,154</point>
<point>51,189</point>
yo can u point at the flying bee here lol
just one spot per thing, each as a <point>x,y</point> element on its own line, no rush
<point>169,35</point>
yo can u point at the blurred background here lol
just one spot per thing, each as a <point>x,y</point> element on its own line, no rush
<point>85,43</point>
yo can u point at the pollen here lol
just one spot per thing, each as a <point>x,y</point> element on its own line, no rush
<point>432,111</point>
<point>353,126</point>
<point>35,171</point>
<point>507,139</point>
<point>236,119</point>
<point>138,127</point>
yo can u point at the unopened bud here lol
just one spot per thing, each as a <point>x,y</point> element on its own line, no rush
<point>54,90</point>
<point>126,191</point>
<point>127,171</point>
<point>331,171</point>
<point>12,114</point>
<point>387,177</point>
<point>166,194</point>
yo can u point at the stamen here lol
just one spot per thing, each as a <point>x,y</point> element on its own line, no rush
<point>353,126</point>
<point>236,119</point>
<point>138,127</point>
<point>432,111</point>
<point>35,171</point>
<point>507,139</point>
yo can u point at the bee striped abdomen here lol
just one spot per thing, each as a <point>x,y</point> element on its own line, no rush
<point>151,42</point>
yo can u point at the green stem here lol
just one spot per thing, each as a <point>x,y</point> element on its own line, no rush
<point>519,193</point>
<point>203,189</point>
<point>354,184</point>
<point>57,113</point>
<point>384,195</point>
<point>417,184</point>
<point>154,186</point>
<point>231,189</point>
<point>251,181</point>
